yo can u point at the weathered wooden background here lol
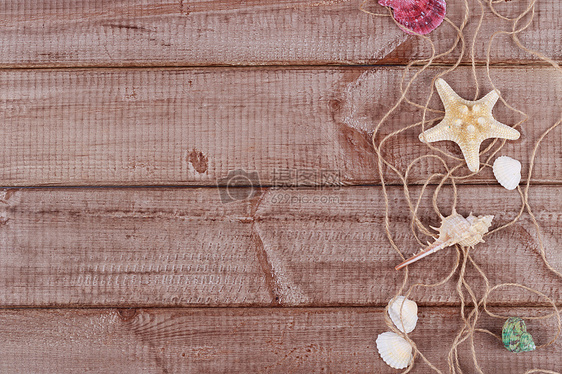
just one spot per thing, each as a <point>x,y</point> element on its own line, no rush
<point>118,253</point>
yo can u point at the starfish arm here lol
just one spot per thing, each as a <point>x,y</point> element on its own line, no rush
<point>499,130</point>
<point>446,93</point>
<point>468,123</point>
<point>490,99</point>
<point>442,131</point>
<point>471,153</point>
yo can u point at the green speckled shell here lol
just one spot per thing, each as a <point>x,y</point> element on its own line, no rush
<point>515,337</point>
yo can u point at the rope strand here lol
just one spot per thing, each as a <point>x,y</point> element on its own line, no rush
<point>447,180</point>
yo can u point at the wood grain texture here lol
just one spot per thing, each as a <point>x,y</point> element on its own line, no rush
<point>172,247</point>
<point>299,276</point>
<point>194,126</point>
<point>194,33</point>
<point>334,340</point>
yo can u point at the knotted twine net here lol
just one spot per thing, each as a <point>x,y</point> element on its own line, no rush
<point>471,306</point>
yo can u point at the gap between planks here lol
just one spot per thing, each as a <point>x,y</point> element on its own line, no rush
<point>378,306</point>
<point>478,64</point>
<point>262,187</point>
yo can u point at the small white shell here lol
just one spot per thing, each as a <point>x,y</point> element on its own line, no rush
<point>507,172</point>
<point>408,317</point>
<point>394,350</point>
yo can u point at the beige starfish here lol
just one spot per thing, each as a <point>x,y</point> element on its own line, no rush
<point>467,123</point>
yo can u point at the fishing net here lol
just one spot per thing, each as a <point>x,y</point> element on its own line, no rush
<point>473,298</point>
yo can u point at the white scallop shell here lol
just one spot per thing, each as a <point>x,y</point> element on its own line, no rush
<point>405,321</point>
<point>394,350</point>
<point>507,172</point>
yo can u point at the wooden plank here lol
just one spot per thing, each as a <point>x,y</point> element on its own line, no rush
<point>194,126</point>
<point>334,340</point>
<point>169,247</point>
<point>188,33</point>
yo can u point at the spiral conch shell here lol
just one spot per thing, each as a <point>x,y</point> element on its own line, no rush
<point>394,350</point>
<point>455,229</point>
<point>507,172</point>
<point>404,314</point>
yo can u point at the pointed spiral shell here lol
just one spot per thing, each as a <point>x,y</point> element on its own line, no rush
<point>455,229</point>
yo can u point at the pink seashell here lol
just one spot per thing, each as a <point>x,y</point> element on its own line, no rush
<point>420,16</point>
